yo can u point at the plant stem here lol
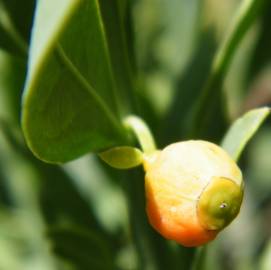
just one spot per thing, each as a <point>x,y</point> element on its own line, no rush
<point>142,133</point>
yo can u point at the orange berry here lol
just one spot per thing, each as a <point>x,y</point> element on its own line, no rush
<point>193,190</point>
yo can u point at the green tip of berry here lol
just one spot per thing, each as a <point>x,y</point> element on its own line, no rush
<point>219,203</point>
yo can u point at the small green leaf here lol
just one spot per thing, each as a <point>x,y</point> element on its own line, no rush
<point>70,105</point>
<point>242,130</point>
<point>124,157</point>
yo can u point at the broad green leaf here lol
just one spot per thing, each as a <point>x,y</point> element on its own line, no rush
<point>246,16</point>
<point>242,130</point>
<point>70,104</point>
<point>123,157</point>
<point>83,249</point>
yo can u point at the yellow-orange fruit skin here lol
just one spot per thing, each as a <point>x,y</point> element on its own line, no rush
<point>175,179</point>
<point>169,221</point>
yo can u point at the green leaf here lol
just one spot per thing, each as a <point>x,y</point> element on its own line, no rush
<point>84,249</point>
<point>70,106</point>
<point>123,157</point>
<point>203,119</point>
<point>242,130</point>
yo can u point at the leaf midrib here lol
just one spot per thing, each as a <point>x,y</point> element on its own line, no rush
<point>62,56</point>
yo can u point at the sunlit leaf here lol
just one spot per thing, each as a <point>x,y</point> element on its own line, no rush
<point>242,130</point>
<point>209,102</point>
<point>70,106</point>
<point>124,157</point>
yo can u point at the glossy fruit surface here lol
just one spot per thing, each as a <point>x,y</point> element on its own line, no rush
<point>193,190</point>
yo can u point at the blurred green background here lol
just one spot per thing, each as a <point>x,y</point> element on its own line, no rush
<point>80,214</point>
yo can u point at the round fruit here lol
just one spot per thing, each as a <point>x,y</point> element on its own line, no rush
<point>193,190</point>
